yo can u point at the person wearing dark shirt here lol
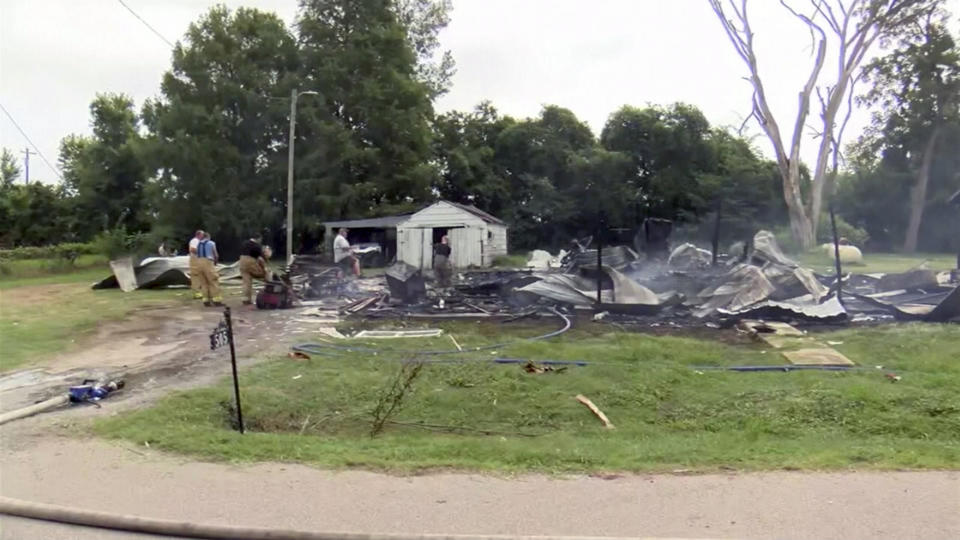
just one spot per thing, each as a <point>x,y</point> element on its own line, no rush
<point>252,265</point>
<point>441,262</point>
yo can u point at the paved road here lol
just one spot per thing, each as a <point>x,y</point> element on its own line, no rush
<point>122,479</point>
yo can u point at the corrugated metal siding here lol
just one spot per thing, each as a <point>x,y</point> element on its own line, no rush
<point>442,214</point>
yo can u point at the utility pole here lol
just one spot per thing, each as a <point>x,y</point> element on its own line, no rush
<point>293,129</point>
<point>26,164</point>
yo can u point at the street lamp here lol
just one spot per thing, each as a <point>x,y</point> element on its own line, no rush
<point>294,94</point>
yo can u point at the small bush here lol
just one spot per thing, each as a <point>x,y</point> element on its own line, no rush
<point>118,243</point>
<point>70,250</point>
<point>786,241</point>
<point>855,235</point>
<point>113,243</point>
<point>510,261</point>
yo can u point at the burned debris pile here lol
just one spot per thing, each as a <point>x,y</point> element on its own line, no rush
<point>644,284</point>
<point>685,286</point>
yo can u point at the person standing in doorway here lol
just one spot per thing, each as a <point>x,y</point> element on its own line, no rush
<point>195,279</point>
<point>441,261</point>
<point>207,256</point>
<point>253,265</point>
<point>343,254</point>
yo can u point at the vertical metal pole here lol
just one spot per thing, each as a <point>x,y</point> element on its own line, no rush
<point>293,128</point>
<point>26,165</point>
<point>599,252</point>
<point>233,363</point>
<point>716,233</point>
<point>836,254</point>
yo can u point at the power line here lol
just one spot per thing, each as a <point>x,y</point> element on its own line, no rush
<point>145,23</point>
<point>27,137</point>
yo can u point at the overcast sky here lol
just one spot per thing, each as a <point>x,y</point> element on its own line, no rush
<point>591,56</point>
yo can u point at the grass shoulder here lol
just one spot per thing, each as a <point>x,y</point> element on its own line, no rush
<point>479,415</point>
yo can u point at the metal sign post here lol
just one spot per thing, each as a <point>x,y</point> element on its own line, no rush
<point>715,243</point>
<point>836,254</point>
<point>223,335</point>
<point>599,254</point>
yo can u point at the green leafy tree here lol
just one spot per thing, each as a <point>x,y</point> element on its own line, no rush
<point>423,20</point>
<point>916,93</point>
<point>33,215</point>
<point>669,148</point>
<point>537,158</point>
<point>9,169</point>
<point>745,186</point>
<point>367,136</point>
<point>218,133</point>
<point>105,174</point>
<point>465,151</point>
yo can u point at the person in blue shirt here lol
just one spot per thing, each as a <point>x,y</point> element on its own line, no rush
<point>207,258</point>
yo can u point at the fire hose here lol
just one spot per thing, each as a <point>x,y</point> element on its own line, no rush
<point>47,405</point>
<point>186,529</point>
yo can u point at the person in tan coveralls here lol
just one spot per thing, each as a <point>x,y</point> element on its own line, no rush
<point>253,265</point>
<point>207,258</point>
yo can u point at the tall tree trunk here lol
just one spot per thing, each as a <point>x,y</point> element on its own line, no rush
<point>918,193</point>
<point>800,226</point>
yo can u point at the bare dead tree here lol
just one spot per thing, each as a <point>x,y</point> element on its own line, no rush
<point>852,27</point>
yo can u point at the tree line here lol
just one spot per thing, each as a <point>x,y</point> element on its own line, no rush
<point>210,150</point>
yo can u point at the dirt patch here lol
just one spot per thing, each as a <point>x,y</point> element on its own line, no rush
<point>151,349</point>
<point>32,295</point>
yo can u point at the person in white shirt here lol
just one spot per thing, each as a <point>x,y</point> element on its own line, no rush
<point>196,282</point>
<point>343,254</point>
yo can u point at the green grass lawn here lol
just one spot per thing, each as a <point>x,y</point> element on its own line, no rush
<point>12,273</point>
<point>515,260</point>
<point>484,416</point>
<point>879,262</point>
<point>44,315</point>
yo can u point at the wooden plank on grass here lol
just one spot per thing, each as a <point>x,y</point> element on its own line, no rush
<point>817,357</point>
<point>595,410</point>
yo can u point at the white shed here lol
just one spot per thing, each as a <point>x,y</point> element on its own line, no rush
<point>476,237</point>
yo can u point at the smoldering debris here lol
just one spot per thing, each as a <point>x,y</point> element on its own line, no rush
<point>688,288</point>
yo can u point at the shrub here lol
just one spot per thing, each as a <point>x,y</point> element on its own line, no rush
<point>855,235</point>
<point>68,250</point>
<point>785,240</point>
<point>116,243</point>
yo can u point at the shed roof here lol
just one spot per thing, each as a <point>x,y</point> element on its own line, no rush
<point>477,212</point>
<point>385,222</point>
